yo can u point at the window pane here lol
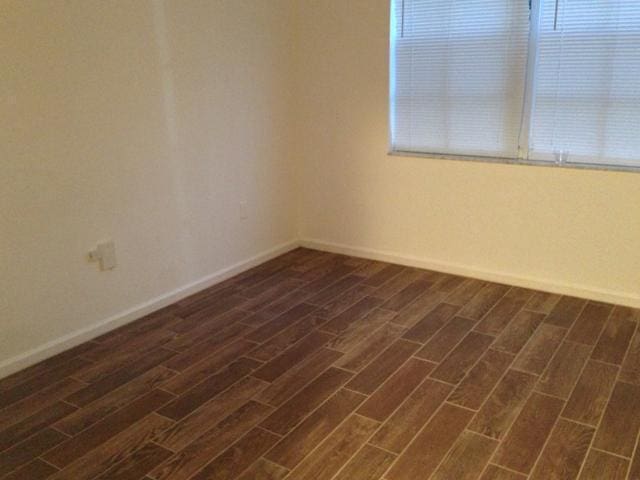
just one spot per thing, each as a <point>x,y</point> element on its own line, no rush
<point>587,83</point>
<point>457,75</point>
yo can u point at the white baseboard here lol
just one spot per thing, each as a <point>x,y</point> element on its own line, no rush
<point>77,337</point>
<point>72,339</point>
<point>547,285</point>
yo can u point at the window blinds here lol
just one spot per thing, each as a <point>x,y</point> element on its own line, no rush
<point>458,75</point>
<point>586,101</point>
<point>490,78</point>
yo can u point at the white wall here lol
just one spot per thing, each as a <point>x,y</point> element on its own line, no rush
<point>574,231</point>
<point>142,121</point>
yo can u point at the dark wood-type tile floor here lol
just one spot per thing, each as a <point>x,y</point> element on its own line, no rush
<point>320,366</point>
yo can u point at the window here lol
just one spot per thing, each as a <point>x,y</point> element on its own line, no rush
<point>550,81</point>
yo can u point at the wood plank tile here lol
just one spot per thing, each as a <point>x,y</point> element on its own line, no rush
<point>272,287</point>
<point>465,291</point>
<point>358,329</point>
<point>264,470</point>
<point>566,311</point>
<point>34,470</point>
<point>437,348</point>
<point>206,390</point>
<point>370,347</point>
<point>433,321</point>
<point>564,453</point>
<point>516,335</point>
<point>446,282</point>
<point>116,399</point>
<point>344,301</point>
<point>287,302</point>
<point>543,302</point>
<point>308,399</point>
<point>370,463</point>
<point>103,386</point>
<point>520,448</point>
<point>122,356</point>
<point>591,394</point>
<point>388,272</point>
<point>481,379</point>
<point>207,367</point>
<point>286,338</point>
<point>630,372</point>
<point>239,456</point>
<point>38,401</point>
<point>208,309</point>
<point>341,322</point>
<point>467,458</point>
<point>207,347</point>
<point>396,433</point>
<point>281,322</point>
<point>41,368</point>
<point>297,377</point>
<point>416,311</point>
<point>138,464</point>
<point>540,348</point>
<point>297,353</point>
<point>382,367</point>
<point>496,320</point>
<point>494,472</point>
<point>75,447</point>
<point>564,369</point>
<point>615,338</point>
<point>503,405</point>
<point>115,450</point>
<point>431,445</point>
<point>601,465</point>
<point>270,295</point>
<point>456,365</point>
<point>325,461</point>
<point>396,389</point>
<point>314,429</point>
<point>586,329</point>
<point>36,422</point>
<point>191,427</point>
<point>31,386</point>
<point>336,275</point>
<point>484,301</point>
<point>22,453</point>
<point>191,459</point>
<point>407,295</point>
<point>621,421</point>
<point>397,283</point>
<point>332,291</point>
<point>218,326</point>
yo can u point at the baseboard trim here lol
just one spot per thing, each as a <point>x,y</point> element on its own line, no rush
<point>77,337</point>
<point>582,291</point>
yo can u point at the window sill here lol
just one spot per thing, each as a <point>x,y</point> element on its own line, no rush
<point>515,161</point>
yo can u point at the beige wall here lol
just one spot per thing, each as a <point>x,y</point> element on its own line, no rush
<point>568,230</point>
<point>150,121</point>
<point>142,121</point>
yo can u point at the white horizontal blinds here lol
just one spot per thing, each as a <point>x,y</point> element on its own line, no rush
<point>458,75</point>
<point>586,105</point>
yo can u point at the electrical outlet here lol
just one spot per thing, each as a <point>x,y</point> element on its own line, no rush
<point>105,253</point>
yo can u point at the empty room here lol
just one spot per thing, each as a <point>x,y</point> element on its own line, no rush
<point>320,240</point>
